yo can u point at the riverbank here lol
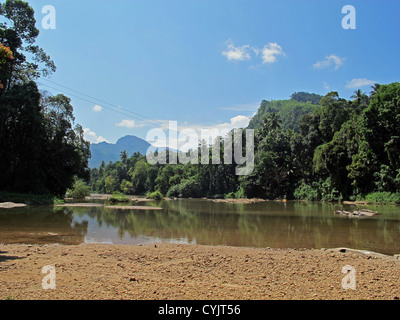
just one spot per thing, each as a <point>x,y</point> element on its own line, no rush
<point>172,271</point>
<point>30,199</point>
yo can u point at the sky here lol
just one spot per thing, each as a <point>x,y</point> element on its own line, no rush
<point>130,66</point>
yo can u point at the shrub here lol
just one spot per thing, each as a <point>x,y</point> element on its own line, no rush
<point>321,190</point>
<point>306,192</point>
<point>80,190</point>
<point>383,197</point>
<point>156,195</point>
<point>186,189</point>
<point>118,197</point>
<point>240,194</point>
<point>230,195</point>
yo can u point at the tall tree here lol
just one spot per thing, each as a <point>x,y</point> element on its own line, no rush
<point>42,147</point>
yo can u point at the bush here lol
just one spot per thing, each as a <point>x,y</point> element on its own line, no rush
<point>306,192</point>
<point>230,195</point>
<point>240,194</point>
<point>118,197</point>
<point>383,197</point>
<point>80,190</point>
<point>186,189</point>
<point>321,190</point>
<point>156,195</point>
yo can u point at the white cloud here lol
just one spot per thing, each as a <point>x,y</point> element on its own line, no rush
<point>358,83</point>
<point>237,53</point>
<point>270,52</point>
<point>127,124</point>
<point>243,107</point>
<point>235,123</point>
<point>326,86</point>
<point>187,136</point>
<point>330,61</point>
<point>97,108</point>
<point>92,136</point>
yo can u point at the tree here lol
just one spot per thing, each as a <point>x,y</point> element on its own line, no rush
<point>334,113</point>
<point>6,57</point>
<point>360,102</point>
<point>139,176</point>
<point>43,150</point>
<point>22,135</point>
<point>273,165</point>
<point>343,149</point>
<point>80,190</point>
<point>124,157</point>
<point>19,33</point>
<point>307,97</point>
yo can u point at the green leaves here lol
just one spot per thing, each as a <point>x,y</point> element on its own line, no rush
<point>19,32</point>
<point>341,150</point>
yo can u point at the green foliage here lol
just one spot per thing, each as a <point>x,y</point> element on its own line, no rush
<point>340,149</point>
<point>118,197</point>
<point>289,111</point>
<point>239,194</point>
<point>156,195</point>
<point>317,190</point>
<point>307,97</point>
<point>383,197</point>
<point>80,190</point>
<point>19,33</point>
<point>307,192</point>
<point>186,189</point>
<point>126,187</point>
<point>30,199</point>
<point>41,149</point>
<point>230,195</point>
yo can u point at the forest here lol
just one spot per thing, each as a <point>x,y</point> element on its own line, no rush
<point>43,151</point>
<point>308,147</point>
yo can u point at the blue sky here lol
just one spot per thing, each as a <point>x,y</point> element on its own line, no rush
<point>133,64</point>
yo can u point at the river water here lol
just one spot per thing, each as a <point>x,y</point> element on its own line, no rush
<point>265,224</point>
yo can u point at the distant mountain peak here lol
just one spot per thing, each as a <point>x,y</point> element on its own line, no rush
<point>111,152</point>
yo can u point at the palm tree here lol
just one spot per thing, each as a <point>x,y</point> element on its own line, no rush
<point>124,156</point>
<point>361,100</point>
<point>375,89</point>
<point>272,121</point>
<point>357,95</point>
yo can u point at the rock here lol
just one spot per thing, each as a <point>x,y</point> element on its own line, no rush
<point>358,213</point>
<point>11,205</point>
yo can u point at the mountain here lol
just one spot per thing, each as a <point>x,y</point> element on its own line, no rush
<point>111,152</point>
<point>290,111</point>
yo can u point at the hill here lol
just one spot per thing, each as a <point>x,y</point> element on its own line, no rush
<point>290,111</point>
<point>111,152</point>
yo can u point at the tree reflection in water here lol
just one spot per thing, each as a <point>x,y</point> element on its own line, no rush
<point>265,224</point>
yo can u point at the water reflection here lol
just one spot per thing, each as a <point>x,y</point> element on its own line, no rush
<point>40,225</point>
<point>270,224</point>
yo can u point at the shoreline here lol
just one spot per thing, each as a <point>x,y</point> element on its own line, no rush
<point>194,272</point>
<point>47,199</point>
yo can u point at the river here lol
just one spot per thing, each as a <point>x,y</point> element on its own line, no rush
<point>264,224</point>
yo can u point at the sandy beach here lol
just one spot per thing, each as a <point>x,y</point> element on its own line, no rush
<point>192,272</point>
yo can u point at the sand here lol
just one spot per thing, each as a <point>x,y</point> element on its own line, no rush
<point>192,272</point>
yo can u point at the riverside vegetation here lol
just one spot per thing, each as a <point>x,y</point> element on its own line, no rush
<point>42,149</point>
<point>307,147</point>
